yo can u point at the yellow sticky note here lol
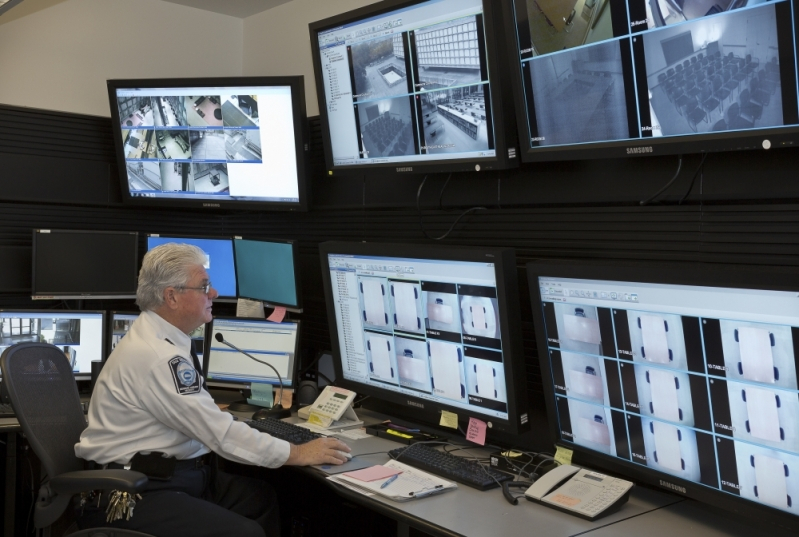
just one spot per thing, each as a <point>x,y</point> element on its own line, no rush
<point>449,419</point>
<point>563,455</point>
<point>321,421</point>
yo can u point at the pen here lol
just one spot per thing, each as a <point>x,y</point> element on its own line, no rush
<point>426,492</point>
<point>389,481</point>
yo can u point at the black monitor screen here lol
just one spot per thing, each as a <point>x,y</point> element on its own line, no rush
<point>267,271</point>
<point>684,377</point>
<point>79,334</point>
<point>274,343</point>
<point>219,259</point>
<point>614,78</point>
<point>98,264</point>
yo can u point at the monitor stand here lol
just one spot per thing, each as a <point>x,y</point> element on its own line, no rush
<point>261,411</point>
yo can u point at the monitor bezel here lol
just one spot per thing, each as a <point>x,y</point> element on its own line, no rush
<point>503,118</point>
<point>713,142</point>
<point>35,295</point>
<point>417,408</point>
<point>699,274</point>
<point>297,308</point>
<point>301,140</point>
<point>246,385</point>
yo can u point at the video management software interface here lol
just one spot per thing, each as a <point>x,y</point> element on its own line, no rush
<point>78,334</point>
<point>227,143</point>
<point>408,84</point>
<point>656,69</point>
<point>273,343</point>
<point>697,382</point>
<point>425,328</point>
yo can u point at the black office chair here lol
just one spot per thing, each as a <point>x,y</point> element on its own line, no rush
<point>45,398</point>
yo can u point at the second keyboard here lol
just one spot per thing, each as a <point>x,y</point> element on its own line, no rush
<point>450,466</point>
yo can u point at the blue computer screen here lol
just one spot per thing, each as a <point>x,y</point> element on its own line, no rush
<point>265,271</point>
<point>220,265</point>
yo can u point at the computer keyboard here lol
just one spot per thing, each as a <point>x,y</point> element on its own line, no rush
<point>283,430</point>
<point>449,466</point>
<point>6,411</point>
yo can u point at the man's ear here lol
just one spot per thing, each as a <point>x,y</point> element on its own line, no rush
<point>171,298</point>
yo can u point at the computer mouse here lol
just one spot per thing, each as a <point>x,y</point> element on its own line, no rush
<point>348,456</point>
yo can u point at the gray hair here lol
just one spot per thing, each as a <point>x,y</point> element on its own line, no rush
<point>165,266</point>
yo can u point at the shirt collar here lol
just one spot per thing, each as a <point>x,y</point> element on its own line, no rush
<point>168,331</point>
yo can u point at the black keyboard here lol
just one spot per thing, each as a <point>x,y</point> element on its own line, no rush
<point>6,411</point>
<point>449,466</point>
<point>283,430</point>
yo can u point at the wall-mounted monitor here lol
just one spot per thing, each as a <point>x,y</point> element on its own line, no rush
<point>220,263</point>
<point>217,142</point>
<point>267,271</point>
<point>683,377</point>
<point>84,264</point>
<point>428,328</point>
<point>79,334</point>
<point>614,78</point>
<point>413,86</point>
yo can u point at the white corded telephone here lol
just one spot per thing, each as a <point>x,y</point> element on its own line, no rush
<point>580,492</point>
<point>333,408</point>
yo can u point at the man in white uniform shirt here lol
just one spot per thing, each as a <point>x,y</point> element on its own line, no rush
<point>149,398</point>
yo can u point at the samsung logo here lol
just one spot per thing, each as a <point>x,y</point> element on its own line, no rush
<point>672,486</point>
<point>417,405</point>
<point>210,205</point>
<point>408,169</point>
<point>639,150</point>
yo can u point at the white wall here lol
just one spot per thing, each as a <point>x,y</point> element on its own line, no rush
<point>60,58</point>
<point>277,42</point>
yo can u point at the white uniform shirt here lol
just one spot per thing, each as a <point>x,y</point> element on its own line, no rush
<point>147,399</point>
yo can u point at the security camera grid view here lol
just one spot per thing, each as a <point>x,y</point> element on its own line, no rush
<point>673,69</point>
<point>418,81</point>
<point>646,373</point>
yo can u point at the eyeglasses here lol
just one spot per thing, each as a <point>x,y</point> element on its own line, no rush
<point>205,288</point>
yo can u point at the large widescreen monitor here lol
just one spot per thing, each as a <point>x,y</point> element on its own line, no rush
<point>614,78</point>
<point>683,377</point>
<point>428,329</point>
<point>211,142</point>
<point>412,86</point>
<point>220,264</point>
<point>79,334</point>
<point>274,343</point>
<point>267,271</point>
<point>84,264</point>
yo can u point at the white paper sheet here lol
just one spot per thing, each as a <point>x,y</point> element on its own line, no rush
<point>479,318</point>
<point>665,404</point>
<point>381,358</point>
<point>667,445</point>
<point>446,369</point>
<point>764,422</point>
<point>485,380</point>
<point>405,306</point>
<point>373,302</point>
<point>653,333</point>
<point>772,487</point>
<point>581,329</point>
<point>757,361</point>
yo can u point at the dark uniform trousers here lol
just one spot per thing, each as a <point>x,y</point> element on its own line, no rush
<point>197,502</point>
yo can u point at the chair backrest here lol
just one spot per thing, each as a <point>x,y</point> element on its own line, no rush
<point>45,398</point>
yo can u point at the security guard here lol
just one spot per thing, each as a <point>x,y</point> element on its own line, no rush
<point>149,398</point>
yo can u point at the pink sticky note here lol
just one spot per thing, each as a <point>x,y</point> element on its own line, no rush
<point>476,432</point>
<point>277,315</point>
<point>373,473</point>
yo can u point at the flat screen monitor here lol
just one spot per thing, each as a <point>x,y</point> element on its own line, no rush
<point>274,343</point>
<point>684,377</point>
<point>211,142</point>
<point>79,334</point>
<point>615,78</point>
<point>267,271</point>
<point>220,263</point>
<point>412,86</point>
<point>121,321</point>
<point>74,264</point>
<point>428,329</point>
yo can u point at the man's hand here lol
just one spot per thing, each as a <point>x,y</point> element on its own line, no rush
<point>319,451</point>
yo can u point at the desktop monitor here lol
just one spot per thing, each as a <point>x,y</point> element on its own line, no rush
<point>211,142</point>
<point>428,329</point>
<point>413,86</point>
<point>616,78</point>
<point>267,271</point>
<point>121,321</point>
<point>683,377</point>
<point>79,334</point>
<point>219,263</point>
<point>274,343</point>
<point>84,264</point>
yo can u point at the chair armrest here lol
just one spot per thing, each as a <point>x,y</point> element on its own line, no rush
<point>85,480</point>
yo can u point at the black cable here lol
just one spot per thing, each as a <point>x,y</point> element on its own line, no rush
<point>419,209</point>
<point>443,188</point>
<point>699,169</point>
<point>667,185</point>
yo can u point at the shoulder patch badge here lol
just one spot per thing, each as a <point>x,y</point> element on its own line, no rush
<point>187,381</point>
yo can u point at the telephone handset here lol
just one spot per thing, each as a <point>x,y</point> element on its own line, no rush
<point>334,404</point>
<point>580,492</point>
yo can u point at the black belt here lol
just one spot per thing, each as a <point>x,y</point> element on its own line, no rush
<point>185,464</point>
